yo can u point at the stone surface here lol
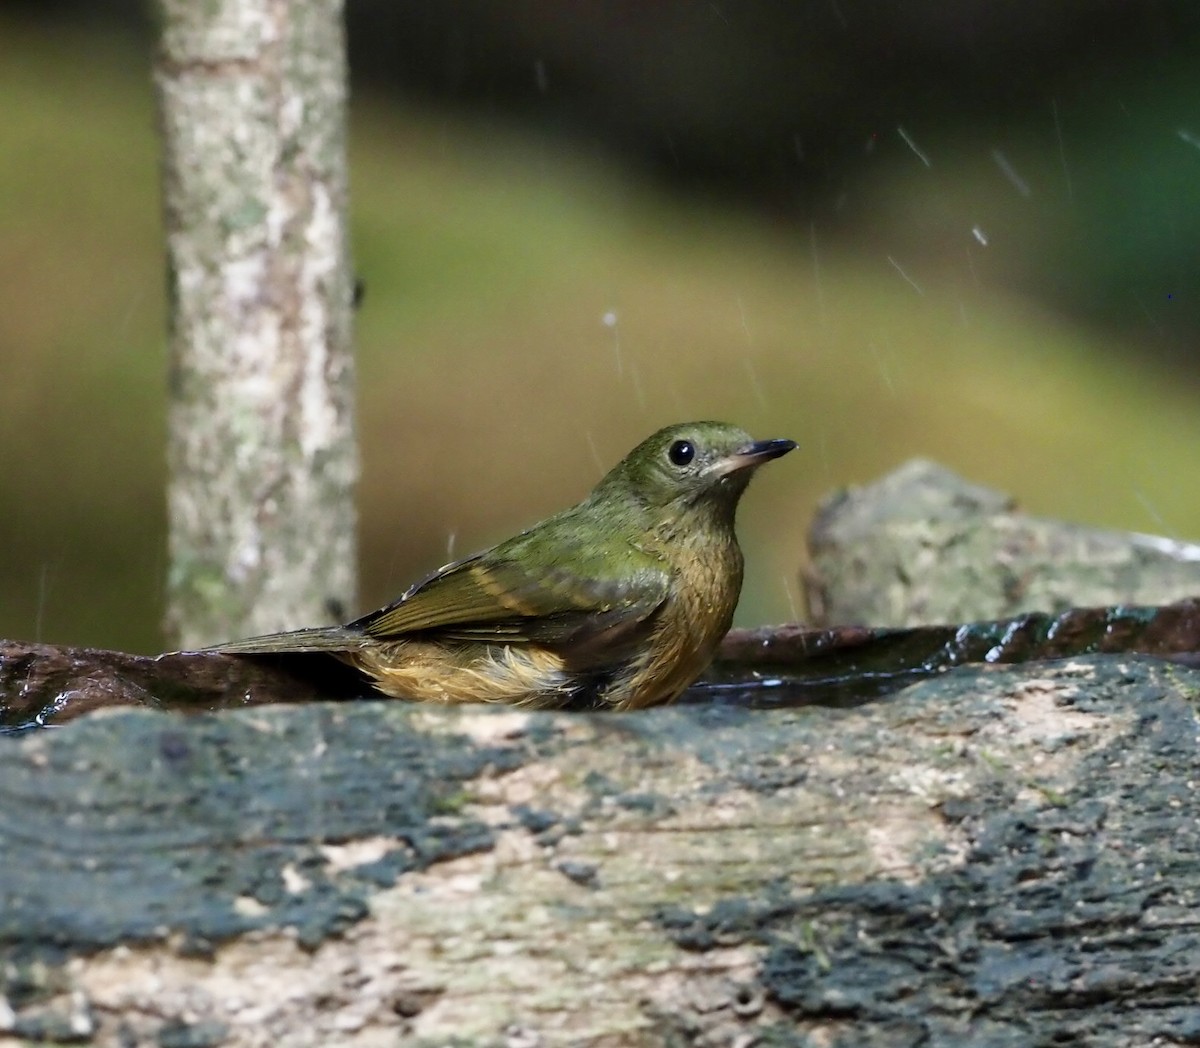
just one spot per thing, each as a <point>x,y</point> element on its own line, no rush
<point>921,545</point>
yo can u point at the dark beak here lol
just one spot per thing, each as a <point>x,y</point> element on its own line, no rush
<point>755,454</point>
<point>764,450</point>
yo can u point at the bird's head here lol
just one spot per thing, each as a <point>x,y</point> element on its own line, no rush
<point>694,464</point>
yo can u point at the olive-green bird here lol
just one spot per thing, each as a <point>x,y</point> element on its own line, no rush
<point>617,602</point>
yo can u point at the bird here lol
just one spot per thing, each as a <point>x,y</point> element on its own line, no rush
<point>616,603</point>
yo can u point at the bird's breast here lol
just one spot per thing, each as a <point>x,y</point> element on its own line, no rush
<point>690,625</point>
<point>702,608</point>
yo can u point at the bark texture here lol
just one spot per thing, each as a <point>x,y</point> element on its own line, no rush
<point>261,444</point>
<point>995,856</point>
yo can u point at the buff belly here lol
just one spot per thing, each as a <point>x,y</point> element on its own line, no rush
<point>426,671</point>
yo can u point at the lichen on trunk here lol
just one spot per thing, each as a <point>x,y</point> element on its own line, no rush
<point>261,451</point>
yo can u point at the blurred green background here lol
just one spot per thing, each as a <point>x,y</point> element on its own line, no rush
<point>964,232</point>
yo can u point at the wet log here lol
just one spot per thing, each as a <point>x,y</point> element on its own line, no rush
<point>42,684</point>
<point>993,856</point>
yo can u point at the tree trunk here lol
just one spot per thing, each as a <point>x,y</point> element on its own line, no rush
<point>261,451</point>
<point>999,856</point>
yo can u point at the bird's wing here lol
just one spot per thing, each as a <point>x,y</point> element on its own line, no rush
<point>510,594</point>
<point>321,638</point>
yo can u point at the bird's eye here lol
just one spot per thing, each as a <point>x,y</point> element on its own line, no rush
<point>681,452</point>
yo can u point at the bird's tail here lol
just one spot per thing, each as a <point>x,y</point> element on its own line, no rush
<point>321,638</point>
